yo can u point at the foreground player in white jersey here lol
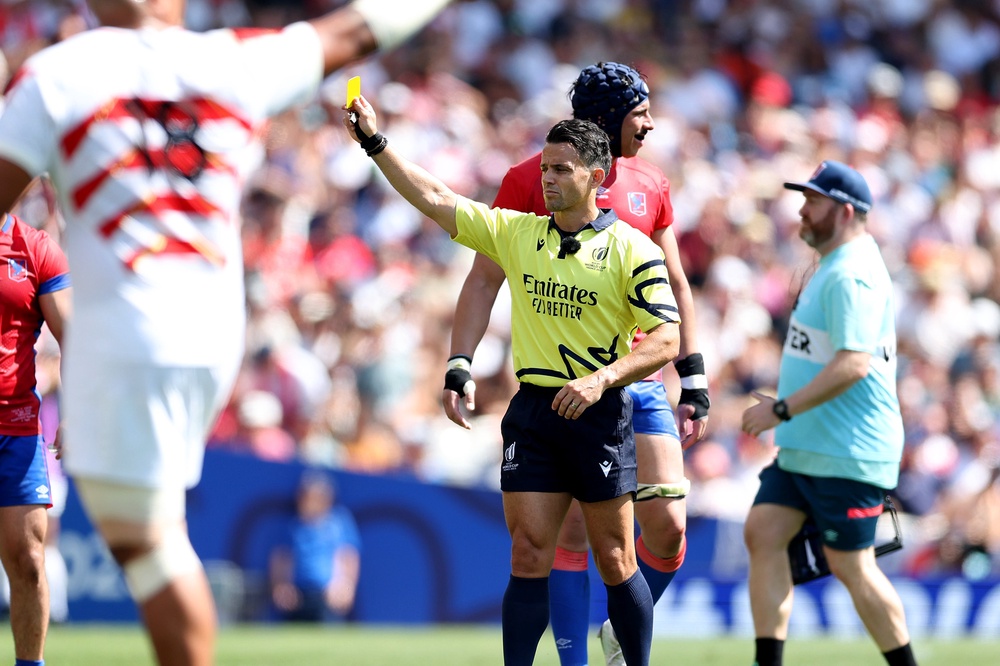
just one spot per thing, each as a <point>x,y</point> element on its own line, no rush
<point>144,129</point>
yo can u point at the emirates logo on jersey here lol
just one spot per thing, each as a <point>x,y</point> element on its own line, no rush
<point>17,270</point>
<point>637,203</point>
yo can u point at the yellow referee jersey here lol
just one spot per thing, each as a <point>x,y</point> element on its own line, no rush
<point>570,313</point>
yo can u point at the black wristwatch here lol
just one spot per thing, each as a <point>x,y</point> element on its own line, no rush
<point>780,409</point>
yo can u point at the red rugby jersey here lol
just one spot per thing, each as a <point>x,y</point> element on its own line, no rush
<point>31,264</point>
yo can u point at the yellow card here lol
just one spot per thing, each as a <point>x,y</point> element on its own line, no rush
<point>353,89</point>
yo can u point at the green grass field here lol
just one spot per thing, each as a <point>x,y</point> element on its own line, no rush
<point>276,645</point>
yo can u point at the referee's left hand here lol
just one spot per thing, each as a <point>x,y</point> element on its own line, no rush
<point>578,394</point>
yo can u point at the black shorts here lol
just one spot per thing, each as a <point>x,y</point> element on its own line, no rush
<point>845,511</point>
<point>592,457</point>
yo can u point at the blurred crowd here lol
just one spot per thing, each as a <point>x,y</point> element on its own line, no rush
<point>351,293</point>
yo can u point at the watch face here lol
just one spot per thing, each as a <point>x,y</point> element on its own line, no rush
<point>780,410</point>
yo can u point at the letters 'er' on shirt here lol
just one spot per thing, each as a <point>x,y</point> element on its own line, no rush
<point>636,190</point>
<point>848,304</point>
<point>148,136</point>
<point>31,265</point>
<point>571,315</point>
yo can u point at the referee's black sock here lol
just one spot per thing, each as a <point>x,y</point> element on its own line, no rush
<point>630,609</point>
<point>901,656</point>
<point>525,615</point>
<point>768,652</point>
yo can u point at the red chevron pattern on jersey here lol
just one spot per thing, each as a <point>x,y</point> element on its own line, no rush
<point>144,226</point>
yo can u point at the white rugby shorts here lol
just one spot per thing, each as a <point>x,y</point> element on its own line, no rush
<point>140,424</point>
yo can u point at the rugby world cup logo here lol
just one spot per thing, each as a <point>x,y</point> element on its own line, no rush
<point>508,459</point>
<point>508,453</point>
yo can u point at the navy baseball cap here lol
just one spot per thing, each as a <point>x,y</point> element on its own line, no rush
<point>839,182</point>
<point>604,94</point>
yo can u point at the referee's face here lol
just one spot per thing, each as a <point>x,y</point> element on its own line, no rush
<point>566,181</point>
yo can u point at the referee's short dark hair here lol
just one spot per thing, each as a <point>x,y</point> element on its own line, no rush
<point>589,140</point>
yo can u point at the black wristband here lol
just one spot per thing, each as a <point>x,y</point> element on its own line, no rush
<point>374,144</point>
<point>780,409</point>
<point>459,375</point>
<point>694,384</point>
<point>693,364</point>
<point>697,398</point>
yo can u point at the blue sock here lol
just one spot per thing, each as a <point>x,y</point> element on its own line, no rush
<point>525,614</point>
<point>656,579</point>
<point>569,612</point>
<point>630,609</point>
<point>28,662</point>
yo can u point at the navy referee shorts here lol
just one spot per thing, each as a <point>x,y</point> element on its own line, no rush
<point>592,458</point>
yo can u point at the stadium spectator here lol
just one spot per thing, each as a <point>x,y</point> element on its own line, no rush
<point>559,300</point>
<point>258,429</point>
<point>158,334</point>
<point>839,429</point>
<point>314,572</point>
<point>615,98</point>
<point>35,289</point>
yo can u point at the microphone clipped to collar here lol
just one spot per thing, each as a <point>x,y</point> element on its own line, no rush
<point>568,245</point>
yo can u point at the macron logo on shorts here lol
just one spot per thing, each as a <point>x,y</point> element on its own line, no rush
<point>606,467</point>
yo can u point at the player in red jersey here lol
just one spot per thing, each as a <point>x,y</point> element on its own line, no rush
<point>615,97</point>
<point>146,131</point>
<point>34,288</point>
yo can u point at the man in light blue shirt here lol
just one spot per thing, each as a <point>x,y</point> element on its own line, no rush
<point>839,429</point>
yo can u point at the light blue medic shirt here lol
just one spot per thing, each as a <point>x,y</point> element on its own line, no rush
<point>848,304</point>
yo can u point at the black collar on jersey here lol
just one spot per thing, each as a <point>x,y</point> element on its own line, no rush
<point>568,242</point>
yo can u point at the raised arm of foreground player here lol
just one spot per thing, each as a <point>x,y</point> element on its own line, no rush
<point>357,29</point>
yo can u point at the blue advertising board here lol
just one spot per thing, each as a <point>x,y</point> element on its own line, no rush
<point>440,554</point>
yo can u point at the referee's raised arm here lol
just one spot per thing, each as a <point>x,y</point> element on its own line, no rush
<point>421,189</point>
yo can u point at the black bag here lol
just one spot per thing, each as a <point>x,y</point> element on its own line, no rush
<point>805,552</point>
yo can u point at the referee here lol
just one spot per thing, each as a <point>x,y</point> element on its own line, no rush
<point>582,282</point>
